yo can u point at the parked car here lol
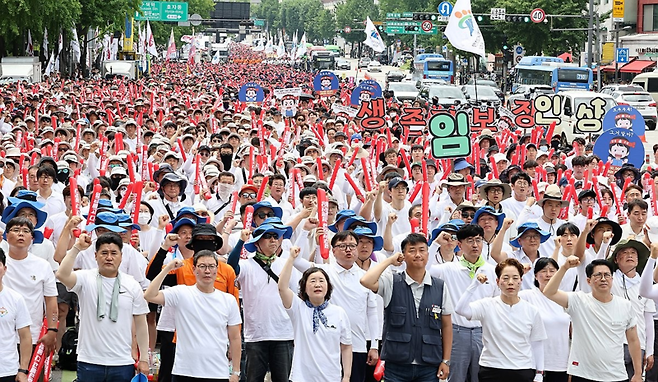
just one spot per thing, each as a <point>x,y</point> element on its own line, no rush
<point>643,102</point>
<point>446,95</point>
<point>529,92</point>
<point>403,91</point>
<point>363,62</point>
<point>343,64</point>
<point>491,84</point>
<point>395,76</point>
<point>481,94</point>
<point>621,88</point>
<point>374,66</point>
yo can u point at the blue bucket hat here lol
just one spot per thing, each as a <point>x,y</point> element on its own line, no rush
<point>359,219</point>
<point>262,230</point>
<point>460,164</point>
<point>24,195</point>
<point>342,214</point>
<point>11,211</point>
<point>182,222</point>
<point>190,211</point>
<point>366,232</point>
<point>278,212</point>
<point>126,222</point>
<point>529,226</point>
<point>106,205</point>
<point>107,220</point>
<point>500,216</point>
<point>453,225</point>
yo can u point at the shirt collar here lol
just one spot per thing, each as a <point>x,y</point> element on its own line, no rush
<point>427,279</point>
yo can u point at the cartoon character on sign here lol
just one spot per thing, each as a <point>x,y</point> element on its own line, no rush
<point>625,117</point>
<point>326,83</point>
<point>619,150</point>
<point>624,121</point>
<point>365,96</point>
<point>251,92</point>
<point>289,105</point>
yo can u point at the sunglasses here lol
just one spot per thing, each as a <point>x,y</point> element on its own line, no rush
<point>248,195</point>
<point>270,235</point>
<point>204,154</point>
<point>264,215</point>
<point>466,214</point>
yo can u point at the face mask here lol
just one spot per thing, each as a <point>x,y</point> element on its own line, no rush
<point>224,190</point>
<point>144,218</point>
<point>200,245</point>
<point>114,183</point>
<point>226,160</point>
<point>543,148</point>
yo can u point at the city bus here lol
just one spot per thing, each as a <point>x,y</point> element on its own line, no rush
<point>433,66</point>
<point>553,72</point>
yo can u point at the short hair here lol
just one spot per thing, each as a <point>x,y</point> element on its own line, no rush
<point>204,253</point>
<point>637,203</point>
<point>521,176</point>
<point>226,173</point>
<point>3,257</point>
<point>579,160</point>
<point>277,177</point>
<point>589,269</point>
<point>109,238</point>
<point>530,164</point>
<point>570,227</point>
<point>342,236</point>
<point>542,263</point>
<point>393,151</point>
<point>655,148</point>
<point>413,238</point>
<point>412,208</point>
<point>46,170</point>
<point>307,191</point>
<point>20,222</point>
<point>469,230</point>
<point>415,147</point>
<point>509,262</point>
<point>302,283</point>
<point>633,187</point>
<point>66,192</point>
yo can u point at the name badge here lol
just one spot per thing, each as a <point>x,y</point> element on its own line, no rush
<point>436,309</point>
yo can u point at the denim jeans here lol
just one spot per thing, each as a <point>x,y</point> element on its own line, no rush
<point>395,372</point>
<point>275,356</point>
<point>465,356</point>
<point>88,372</point>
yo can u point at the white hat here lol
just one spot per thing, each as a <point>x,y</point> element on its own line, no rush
<point>500,157</point>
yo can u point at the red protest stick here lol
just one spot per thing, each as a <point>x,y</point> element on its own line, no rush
<point>426,208</point>
<point>251,161</point>
<point>620,211</point>
<point>318,166</point>
<point>131,167</point>
<point>366,174</point>
<point>388,137</point>
<point>334,174</point>
<point>415,191</point>
<point>494,169</point>
<point>248,219</point>
<point>597,191</point>
<point>25,177</point>
<point>424,171</point>
<point>604,211</point>
<point>197,184</point>
<point>535,189</point>
<point>590,212</point>
<point>53,122</point>
<point>606,168</point>
<point>623,189</point>
<point>549,133</point>
<point>137,189</point>
<point>357,191</point>
<point>415,225</point>
<point>323,212</point>
<point>182,150</point>
<point>405,158</point>
<point>234,201</point>
<point>469,188</point>
<point>356,150</point>
<point>75,209</point>
<point>118,142</point>
<point>93,204</point>
<point>126,196</point>
<point>261,189</point>
<point>39,356</point>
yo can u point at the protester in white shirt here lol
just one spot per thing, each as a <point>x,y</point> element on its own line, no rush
<point>206,319</point>
<point>14,321</point>
<point>323,341</point>
<point>111,303</point>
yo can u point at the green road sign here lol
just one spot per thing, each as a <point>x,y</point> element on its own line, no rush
<point>393,15</point>
<point>163,11</point>
<point>400,27</point>
<point>407,15</point>
<point>259,22</point>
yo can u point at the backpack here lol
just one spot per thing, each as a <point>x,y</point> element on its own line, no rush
<point>68,353</point>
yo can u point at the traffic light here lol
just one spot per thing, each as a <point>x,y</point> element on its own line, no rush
<point>422,16</point>
<point>411,28</point>
<point>517,19</point>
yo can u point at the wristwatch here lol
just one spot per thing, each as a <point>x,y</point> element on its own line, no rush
<point>24,371</point>
<point>446,361</point>
<point>236,373</point>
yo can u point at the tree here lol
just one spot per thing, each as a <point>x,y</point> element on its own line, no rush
<point>325,25</point>
<point>269,10</point>
<point>353,13</point>
<point>162,30</point>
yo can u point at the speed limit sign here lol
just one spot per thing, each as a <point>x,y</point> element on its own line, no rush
<point>537,15</point>
<point>426,26</point>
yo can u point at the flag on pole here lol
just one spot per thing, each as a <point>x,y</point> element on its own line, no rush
<point>301,49</point>
<point>171,48</point>
<point>150,42</point>
<point>463,31</point>
<point>281,49</point>
<point>190,57</point>
<point>45,42</point>
<point>373,39</point>
<point>75,46</point>
<point>30,48</point>
<point>215,58</point>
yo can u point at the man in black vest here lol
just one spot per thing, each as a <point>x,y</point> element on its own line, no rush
<point>417,337</point>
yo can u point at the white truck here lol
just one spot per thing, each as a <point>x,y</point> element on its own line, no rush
<point>14,69</point>
<point>121,68</point>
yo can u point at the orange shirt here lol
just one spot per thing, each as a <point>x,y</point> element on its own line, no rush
<point>225,280</point>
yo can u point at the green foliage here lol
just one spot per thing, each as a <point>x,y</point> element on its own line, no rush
<point>352,13</point>
<point>268,10</point>
<point>162,30</point>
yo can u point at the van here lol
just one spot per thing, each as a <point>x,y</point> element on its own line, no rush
<point>648,82</point>
<point>571,100</point>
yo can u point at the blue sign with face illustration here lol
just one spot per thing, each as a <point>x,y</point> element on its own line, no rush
<point>362,93</point>
<point>624,117</point>
<point>251,92</point>
<point>374,84</point>
<point>325,83</point>
<point>619,146</point>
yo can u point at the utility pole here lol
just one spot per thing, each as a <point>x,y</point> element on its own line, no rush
<point>590,33</point>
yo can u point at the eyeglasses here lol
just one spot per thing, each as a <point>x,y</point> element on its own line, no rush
<point>601,275</point>
<point>466,214</point>
<point>345,247</point>
<point>300,119</point>
<point>27,214</point>
<point>472,241</point>
<point>248,195</point>
<point>207,267</point>
<point>588,200</point>
<point>270,235</point>
<point>21,231</point>
<point>531,236</point>
<point>45,177</point>
<point>264,215</point>
<point>495,190</point>
<point>204,154</point>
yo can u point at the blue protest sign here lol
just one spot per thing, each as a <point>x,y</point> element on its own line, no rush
<point>325,83</point>
<point>251,92</point>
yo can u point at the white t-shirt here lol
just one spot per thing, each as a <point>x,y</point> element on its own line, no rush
<point>44,250</point>
<point>456,277</point>
<point>33,278</point>
<point>556,322</point>
<point>401,225</point>
<point>508,333</point>
<point>265,319</point>
<point>132,262</point>
<point>202,321</point>
<point>13,316</point>
<point>598,325</point>
<point>317,355</point>
<point>106,342</point>
<point>629,289</point>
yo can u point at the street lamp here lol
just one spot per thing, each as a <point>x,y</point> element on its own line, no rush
<point>616,32</point>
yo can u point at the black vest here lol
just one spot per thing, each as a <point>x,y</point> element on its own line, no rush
<point>409,336</point>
